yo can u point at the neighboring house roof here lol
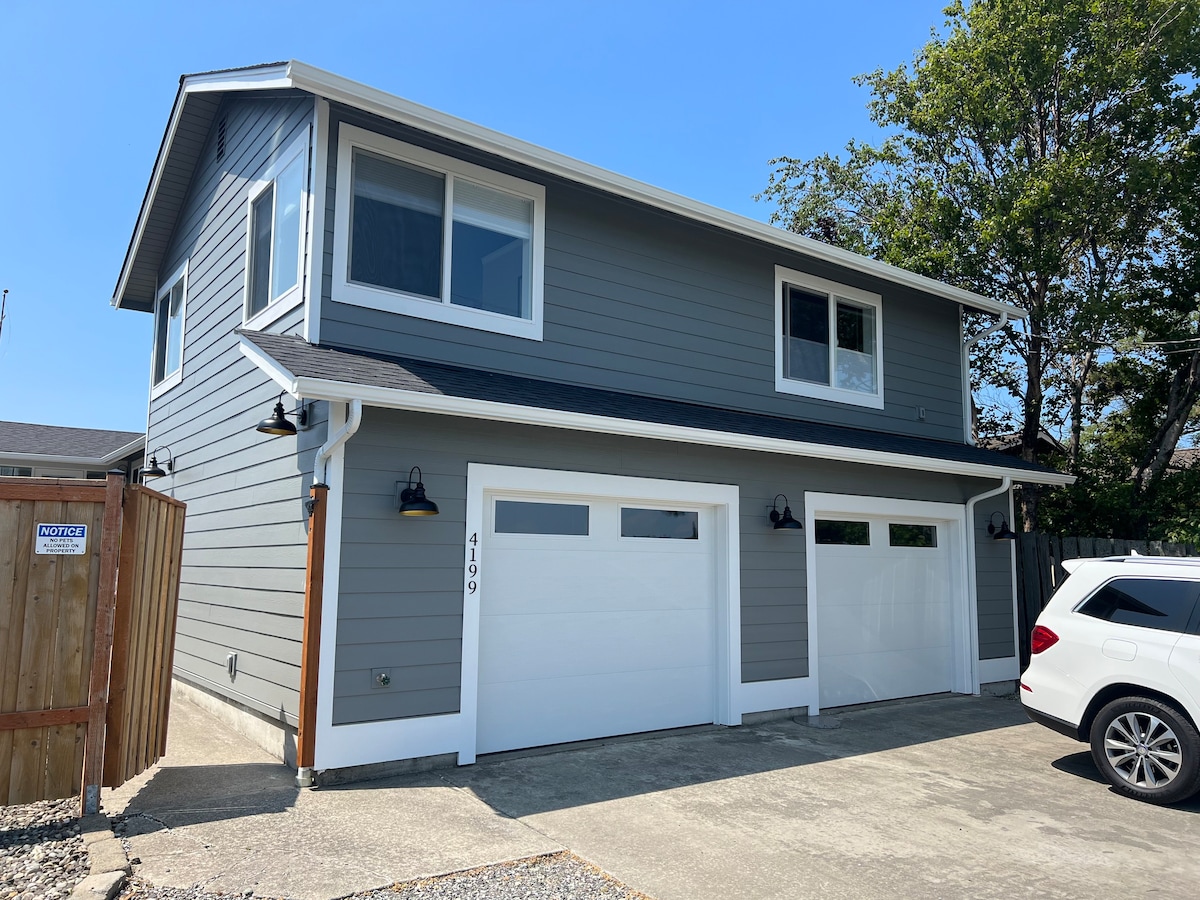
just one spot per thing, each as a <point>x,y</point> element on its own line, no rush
<point>1184,458</point>
<point>200,95</point>
<point>315,372</point>
<point>1011,443</point>
<point>59,444</point>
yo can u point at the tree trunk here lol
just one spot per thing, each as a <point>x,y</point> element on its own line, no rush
<point>1031,428</point>
<point>1181,400</point>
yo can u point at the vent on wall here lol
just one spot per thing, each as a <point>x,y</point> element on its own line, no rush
<point>221,138</point>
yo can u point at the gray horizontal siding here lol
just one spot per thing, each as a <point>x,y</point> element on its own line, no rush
<point>400,597</point>
<point>242,581</point>
<point>643,302</point>
<point>993,560</point>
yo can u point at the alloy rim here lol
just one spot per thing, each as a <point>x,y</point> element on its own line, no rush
<point>1143,750</point>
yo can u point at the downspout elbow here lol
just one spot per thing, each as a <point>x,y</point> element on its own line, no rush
<point>343,434</point>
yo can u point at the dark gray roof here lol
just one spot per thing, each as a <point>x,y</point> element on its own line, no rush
<point>56,440</point>
<point>314,361</point>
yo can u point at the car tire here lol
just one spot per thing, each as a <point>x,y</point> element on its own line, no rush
<point>1147,750</point>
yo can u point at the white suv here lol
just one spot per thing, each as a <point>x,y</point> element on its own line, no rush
<point>1116,662</point>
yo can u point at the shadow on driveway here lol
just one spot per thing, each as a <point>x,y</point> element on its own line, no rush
<point>1081,765</point>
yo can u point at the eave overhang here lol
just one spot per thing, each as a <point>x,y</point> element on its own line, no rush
<point>318,387</point>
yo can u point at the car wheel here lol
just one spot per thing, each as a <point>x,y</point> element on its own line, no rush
<point>1147,750</point>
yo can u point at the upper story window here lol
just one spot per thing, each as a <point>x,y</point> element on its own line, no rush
<point>427,235</point>
<point>828,340</point>
<point>275,237</point>
<point>169,307</point>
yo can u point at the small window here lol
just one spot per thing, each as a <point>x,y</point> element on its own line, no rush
<point>522,517</point>
<point>96,476</point>
<point>1147,602</point>
<point>673,524</point>
<point>912,535</point>
<point>273,267</point>
<point>435,237</point>
<point>16,471</point>
<point>168,330</point>
<point>832,531</point>
<point>828,340</point>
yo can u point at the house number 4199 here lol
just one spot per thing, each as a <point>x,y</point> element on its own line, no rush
<point>473,564</point>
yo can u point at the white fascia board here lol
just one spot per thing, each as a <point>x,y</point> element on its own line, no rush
<point>277,373</point>
<point>415,401</point>
<point>361,96</point>
<point>122,452</point>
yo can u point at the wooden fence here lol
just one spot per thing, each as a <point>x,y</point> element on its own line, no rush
<point>109,570</point>
<point>1040,571</point>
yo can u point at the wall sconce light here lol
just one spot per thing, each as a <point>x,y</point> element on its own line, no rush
<point>1003,533</point>
<point>784,519</point>
<point>154,470</point>
<point>412,499</point>
<point>277,422</point>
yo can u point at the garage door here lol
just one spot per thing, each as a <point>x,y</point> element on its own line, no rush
<point>597,618</point>
<point>884,608</point>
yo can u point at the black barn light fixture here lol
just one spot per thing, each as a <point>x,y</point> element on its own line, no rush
<point>277,422</point>
<point>784,519</point>
<point>413,501</point>
<point>154,470</point>
<point>1003,533</point>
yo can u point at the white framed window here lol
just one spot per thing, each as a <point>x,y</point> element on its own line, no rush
<point>423,234</point>
<point>170,307</point>
<point>828,340</point>
<point>275,237</point>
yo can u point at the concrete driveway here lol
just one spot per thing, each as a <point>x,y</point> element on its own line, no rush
<point>947,797</point>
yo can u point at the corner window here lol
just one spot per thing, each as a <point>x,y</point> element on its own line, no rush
<point>275,234</point>
<point>168,331</point>
<point>828,340</point>
<point>427,235</point>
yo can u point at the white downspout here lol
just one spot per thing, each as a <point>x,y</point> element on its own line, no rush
<point>973,579</point>
<point>343,434</point>
<point>966,373</point>
<point>304,774</point>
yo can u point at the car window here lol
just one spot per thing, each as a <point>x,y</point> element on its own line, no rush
<point>1157,603</point>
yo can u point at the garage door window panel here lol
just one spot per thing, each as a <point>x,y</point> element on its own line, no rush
<point>663,524</point>
<point>837,531</point>
<point>902,535</point>
<point>1144,602</point>
<point>530,517</point>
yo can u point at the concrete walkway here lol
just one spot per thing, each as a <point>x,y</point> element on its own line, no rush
<point>949,797</point>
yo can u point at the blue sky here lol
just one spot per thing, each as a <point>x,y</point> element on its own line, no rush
<point>694,97</point>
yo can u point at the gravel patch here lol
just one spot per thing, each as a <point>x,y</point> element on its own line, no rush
<point>42,855</point>
<point>558,876</point>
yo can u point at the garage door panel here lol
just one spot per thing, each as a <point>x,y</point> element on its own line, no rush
<point>879,628</point>
<point>590,643</point>
<point>864,677</point>
<point>530,714</point>
<point>578,580</point>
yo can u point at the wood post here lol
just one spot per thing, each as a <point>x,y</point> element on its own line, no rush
<point>314,580</point>
<point>93,759</point>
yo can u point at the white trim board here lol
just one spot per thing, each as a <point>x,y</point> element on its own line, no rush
<point>415,401</point>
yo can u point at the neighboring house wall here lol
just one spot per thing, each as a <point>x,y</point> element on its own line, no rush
<point>642,302</point>
<point>244,557</point>
<point>401,583</point>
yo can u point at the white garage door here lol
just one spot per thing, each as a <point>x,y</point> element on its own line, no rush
<point>597,618</point>
<point>884,608</point>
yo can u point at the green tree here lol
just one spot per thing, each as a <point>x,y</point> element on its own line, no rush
<point>1029,158</point>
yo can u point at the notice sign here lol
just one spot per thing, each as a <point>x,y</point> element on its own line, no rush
<point>61,540</point>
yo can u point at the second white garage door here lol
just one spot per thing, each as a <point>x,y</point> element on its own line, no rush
<point>597,617</point>
<point>885,608</point>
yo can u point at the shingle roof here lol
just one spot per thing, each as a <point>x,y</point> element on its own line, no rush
<point>302,359</point>
<point>56,440</point>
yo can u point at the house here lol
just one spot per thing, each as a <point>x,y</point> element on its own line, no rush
<point>687,468</point>
<point>53,451</point>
